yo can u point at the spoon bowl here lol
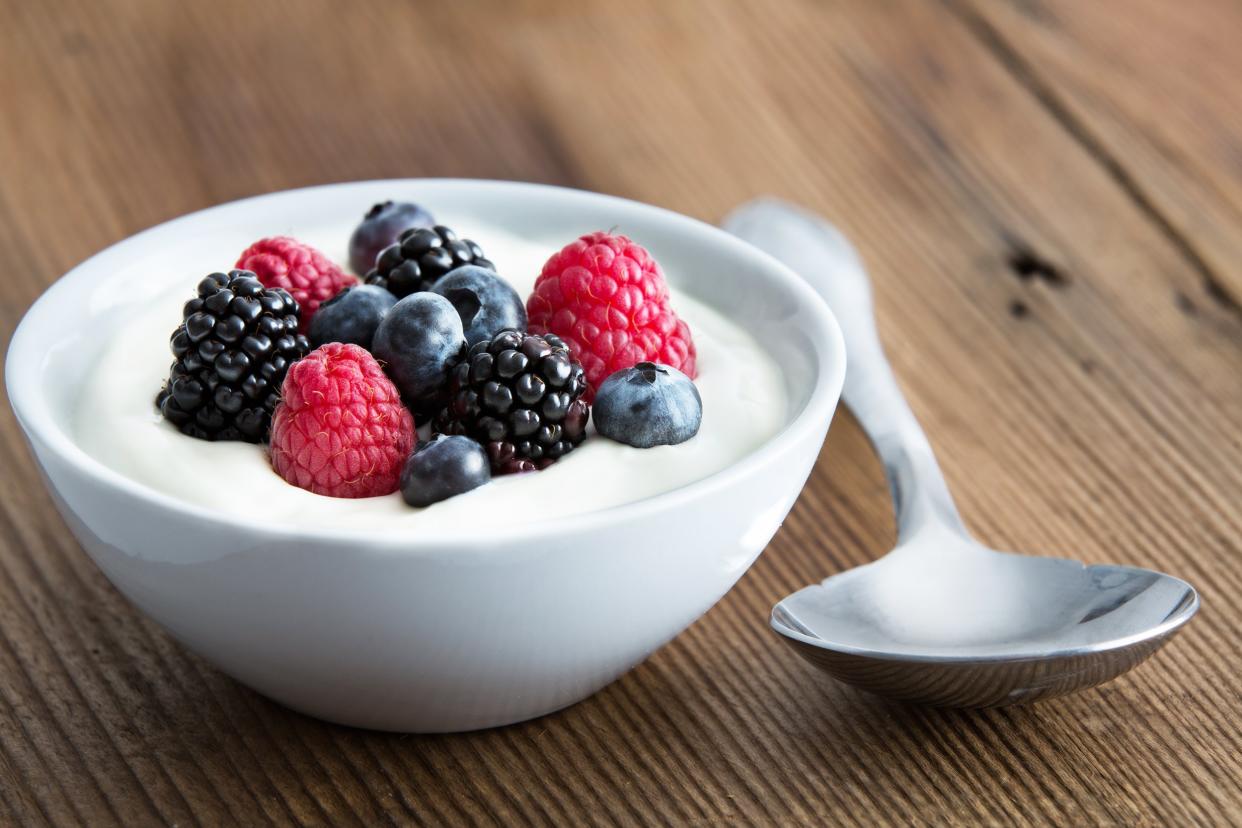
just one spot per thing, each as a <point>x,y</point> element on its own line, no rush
<point>942,619</point>
<point>955,624</point>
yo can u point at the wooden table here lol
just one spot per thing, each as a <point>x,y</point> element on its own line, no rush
<point>1049,196</point>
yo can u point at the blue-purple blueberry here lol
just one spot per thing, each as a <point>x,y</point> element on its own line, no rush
<point>648,405</point>
<point>353,315</point>
<point>444,467</point>
<point>418,342</point>
<point>380,228</point>
<point>486,303</point>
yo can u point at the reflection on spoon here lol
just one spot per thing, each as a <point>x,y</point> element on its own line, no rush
<point>942,619</point>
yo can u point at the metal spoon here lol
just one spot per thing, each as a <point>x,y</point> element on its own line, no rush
<point>942,619</point>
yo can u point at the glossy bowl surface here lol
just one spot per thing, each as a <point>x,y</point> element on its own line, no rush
<point>435,631</point>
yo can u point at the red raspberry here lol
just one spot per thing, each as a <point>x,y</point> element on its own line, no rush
<point>310,276</point>
<point>340,429</point>
<point>607,298</point>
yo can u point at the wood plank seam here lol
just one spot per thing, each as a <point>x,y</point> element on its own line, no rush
<point>1025,74</point>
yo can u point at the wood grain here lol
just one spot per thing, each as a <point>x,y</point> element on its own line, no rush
<point>1046,194</point>
<point>1150,92</point>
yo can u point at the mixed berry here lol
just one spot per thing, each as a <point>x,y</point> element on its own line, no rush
<point>520,396</point>
<point>353,316</point>
<point>420,256</point>
<point>341,429</point>
<point>308,275</point>
<point>236,340</point>
<point>419,341</point>
<point>648,405</point>
<point>607,298</point>
<point>442,467</point>
<point>486,303</point>
<point>336,374</point>
<point>380,228</point>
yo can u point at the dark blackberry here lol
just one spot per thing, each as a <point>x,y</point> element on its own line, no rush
<point>233,347</point>
<point>519,395</point>
<point>420,257</point>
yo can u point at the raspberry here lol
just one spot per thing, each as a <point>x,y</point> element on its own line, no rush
<point>310,276</point>
<point>340,429</point>
<point>606,297</point>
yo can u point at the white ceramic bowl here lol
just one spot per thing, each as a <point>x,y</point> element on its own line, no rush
<point>436,632</point>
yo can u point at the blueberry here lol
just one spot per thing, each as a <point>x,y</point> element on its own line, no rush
<point>418,341</point>
<point>442,468</point>
<point>648,405</point>
<point>380,228</point>
<point>486,303</point>
<point>351,316</point>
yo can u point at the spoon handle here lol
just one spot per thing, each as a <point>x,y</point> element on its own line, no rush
<point>818,252</point>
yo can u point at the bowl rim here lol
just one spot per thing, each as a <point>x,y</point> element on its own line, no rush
<point>32,409</point>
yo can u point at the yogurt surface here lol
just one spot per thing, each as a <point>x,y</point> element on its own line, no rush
<point>118,424</point>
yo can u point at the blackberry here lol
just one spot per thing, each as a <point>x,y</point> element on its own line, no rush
<point>233,347</point>
<point>520,396</point>
<point>420,257</point>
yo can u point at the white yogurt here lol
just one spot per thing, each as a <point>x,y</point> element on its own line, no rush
<point>117,423</point>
